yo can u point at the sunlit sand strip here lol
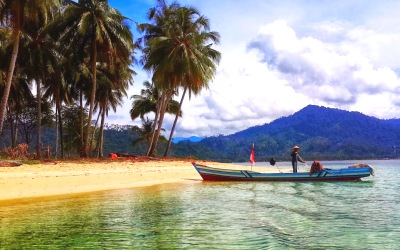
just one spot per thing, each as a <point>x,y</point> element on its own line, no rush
<point>61,178</point>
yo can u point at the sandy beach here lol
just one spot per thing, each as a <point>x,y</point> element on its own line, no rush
<point>80,176</point>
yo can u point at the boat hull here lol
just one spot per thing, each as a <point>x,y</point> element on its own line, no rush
<point>328,175</point>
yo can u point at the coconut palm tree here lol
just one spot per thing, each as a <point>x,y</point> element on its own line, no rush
<point>15,14</point>
<point>146,102</point>
<point>192,55</point>
<point>179,53</point>
<point>94,29</point>
<point>145,132</point>
<point>56,90</point>
<point>112,89</point>
<point>161,18</point>
<point>42,61</point>
<point>19,98</point>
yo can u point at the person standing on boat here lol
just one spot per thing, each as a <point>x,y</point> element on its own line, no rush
<point>295,158</point>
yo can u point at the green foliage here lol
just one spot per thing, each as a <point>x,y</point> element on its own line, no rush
<point>322,133</point>
<point>71,123</point>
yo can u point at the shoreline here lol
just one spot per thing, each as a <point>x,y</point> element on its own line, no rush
<point>55,178</point>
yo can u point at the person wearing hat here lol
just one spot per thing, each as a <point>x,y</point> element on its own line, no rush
<point>295,158</point>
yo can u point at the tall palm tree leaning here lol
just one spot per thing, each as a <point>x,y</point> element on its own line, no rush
<point>179,54</point>
<point>145,132</point>
<point>147,102</point>
<point>193,57</point>
<point>16,13</point>
<point>159,17</point>
<point>94,26</point>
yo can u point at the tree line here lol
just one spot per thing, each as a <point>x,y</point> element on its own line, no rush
<point>79,55</point>
<point>322,134</point>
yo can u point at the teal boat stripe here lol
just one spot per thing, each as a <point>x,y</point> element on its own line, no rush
<point>247,174</point>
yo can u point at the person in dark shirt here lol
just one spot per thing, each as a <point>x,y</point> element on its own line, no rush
<point>295,158</point>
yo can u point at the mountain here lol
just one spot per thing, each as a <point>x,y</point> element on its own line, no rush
<point>191,138</point>
<point>321,133</point>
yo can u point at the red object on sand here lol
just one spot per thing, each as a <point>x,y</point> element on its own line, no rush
<point>113,156</point>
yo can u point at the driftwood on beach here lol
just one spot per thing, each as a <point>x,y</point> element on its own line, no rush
<point>136,156</point>
<point>4,163</point>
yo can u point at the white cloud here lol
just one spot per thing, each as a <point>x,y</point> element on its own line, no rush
<point>320,69</point>
<point>279,56</point>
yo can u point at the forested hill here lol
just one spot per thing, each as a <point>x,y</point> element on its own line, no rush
<point>321,133</point>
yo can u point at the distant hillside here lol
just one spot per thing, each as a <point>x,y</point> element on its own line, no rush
<point>191,138</point>
<point>322,133</point>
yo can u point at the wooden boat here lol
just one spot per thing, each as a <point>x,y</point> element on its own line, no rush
<point>352,173</point>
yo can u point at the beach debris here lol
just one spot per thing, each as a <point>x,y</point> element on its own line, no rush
<point>10,163</point>
<point>113,156</point>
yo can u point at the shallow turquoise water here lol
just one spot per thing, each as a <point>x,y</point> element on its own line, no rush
<point>209,215</point>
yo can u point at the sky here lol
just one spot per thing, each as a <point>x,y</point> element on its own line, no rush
<point>278,56</point>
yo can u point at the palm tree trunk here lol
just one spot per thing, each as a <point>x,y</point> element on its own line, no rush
<point>39,120</point>
<point>173,126</point>
<point>155,122</point>
<point>13,129</point>
<point>61,130</point>
<point>96,154</point>
<point>9,77</point>
<point>156,126</point>
<point>160,121</point>
<point>81,121</point>
<point>101,137</point>
<point>56,143</point>
<point>92,97</point>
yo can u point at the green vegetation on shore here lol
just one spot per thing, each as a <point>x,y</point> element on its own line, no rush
<point>322,133</point>
<point>78,55</point>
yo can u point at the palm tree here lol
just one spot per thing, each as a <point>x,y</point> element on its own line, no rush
<point>42,59</point>
<point>179,54</point>
<point>95,27</point>
<point>15,14</point>
<point>145,132</point>
<point>147,102</point>
<point>161,17</point>
<point>19,98</point>
<point>56,90</point>
<point>192,55</point>
<point>112,89</point>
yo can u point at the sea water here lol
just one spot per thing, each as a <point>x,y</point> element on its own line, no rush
<point>216,215</point>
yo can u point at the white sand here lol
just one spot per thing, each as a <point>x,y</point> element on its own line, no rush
<point>61,178</point>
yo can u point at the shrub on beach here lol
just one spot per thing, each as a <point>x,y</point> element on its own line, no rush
<point>21,151</point>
